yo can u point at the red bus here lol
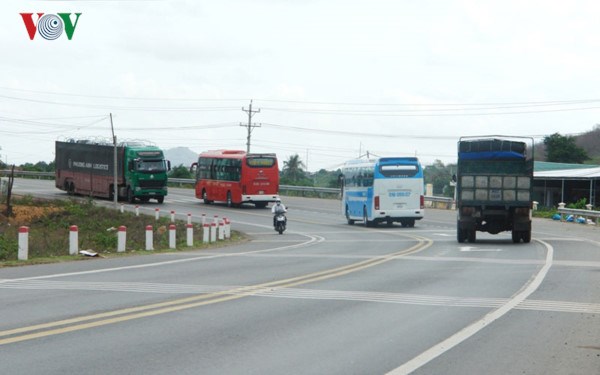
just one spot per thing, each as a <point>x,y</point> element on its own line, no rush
<point>237,177</point>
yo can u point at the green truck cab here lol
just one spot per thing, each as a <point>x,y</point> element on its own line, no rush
<point>146,173</point>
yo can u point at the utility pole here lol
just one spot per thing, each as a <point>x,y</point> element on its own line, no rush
<point>115,187</point>
<point>250,126</point>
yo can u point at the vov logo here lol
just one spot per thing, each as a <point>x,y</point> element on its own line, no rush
<point>50,26</point>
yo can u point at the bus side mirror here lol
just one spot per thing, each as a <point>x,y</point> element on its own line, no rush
<point>168,165</point>
<point>193,167</point>
<point>453,178</point>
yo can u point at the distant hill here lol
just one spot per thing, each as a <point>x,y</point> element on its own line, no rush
<point>181,156</point>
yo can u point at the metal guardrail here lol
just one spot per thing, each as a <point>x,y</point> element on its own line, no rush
<point>38,175</point>
<point>321,192</point>
<point>578,212</point>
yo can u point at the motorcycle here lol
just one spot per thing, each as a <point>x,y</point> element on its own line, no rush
<point>280,222</point>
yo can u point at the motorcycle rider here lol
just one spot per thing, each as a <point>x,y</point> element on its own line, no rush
<point>278,208</point>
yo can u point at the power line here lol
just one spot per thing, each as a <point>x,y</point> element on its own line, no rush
<point>429,112</point>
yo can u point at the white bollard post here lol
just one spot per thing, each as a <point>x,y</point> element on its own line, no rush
<point>203,219</point>
<point>172,216</point>
<point>190,235</point>
<point>149,238</point>
<point>205,233</point>
<point>213,232</point>
<point>73,240</point>
<point>122,208</point>
<point>23,252</point>
<point>137,210</point>
<point>216,219</point>
<point>189,220</point>
<point>156,213</point>
<point>221,230</point>
<point>121,238</point>
<point>172,232</point>
<point>227,228</point>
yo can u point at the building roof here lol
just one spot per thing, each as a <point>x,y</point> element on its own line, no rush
<point>562,171</point>
<point>542,166</point>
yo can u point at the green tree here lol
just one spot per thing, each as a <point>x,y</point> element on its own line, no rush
<point>328,179</point>
<point>180,172</point>
<point>293,174</point>
<point>440,175</point>
<point>563,149</point>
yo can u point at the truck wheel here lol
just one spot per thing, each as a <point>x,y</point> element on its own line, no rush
<point>411,223</point>
<point>472,234</point>
<point>130,196</point>
<point>160,200</point>
<point>516,236</point>
<point>350,221</point>
<point>461,235</point>
<point>526,236</point>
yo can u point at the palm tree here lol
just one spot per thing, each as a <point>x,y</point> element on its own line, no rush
<point>292,169</point>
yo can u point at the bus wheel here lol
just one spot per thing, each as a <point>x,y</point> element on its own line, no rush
<point>350,221</point>
<point>71,189</point>
<point>229,202</point>
<point>411,223</point>
<point>366,221</point>
<point>204,197</point>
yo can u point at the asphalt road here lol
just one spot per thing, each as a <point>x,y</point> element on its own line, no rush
<point>324,298</point>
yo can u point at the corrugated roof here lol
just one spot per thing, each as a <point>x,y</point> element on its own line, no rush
<point>581,173</point>
<point>541,166</point>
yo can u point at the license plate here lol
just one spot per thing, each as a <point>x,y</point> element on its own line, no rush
<point>260,192</point>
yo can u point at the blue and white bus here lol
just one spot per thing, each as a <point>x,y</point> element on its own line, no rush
<point>383,190</point>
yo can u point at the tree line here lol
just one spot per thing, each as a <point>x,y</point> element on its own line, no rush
<point>557,148</point>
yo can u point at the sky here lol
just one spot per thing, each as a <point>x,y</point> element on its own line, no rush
<point>333,79</point>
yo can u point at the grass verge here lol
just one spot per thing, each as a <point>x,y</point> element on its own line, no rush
<point>49,225</point>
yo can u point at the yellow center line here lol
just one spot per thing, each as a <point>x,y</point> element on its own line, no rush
<point>122,315</point>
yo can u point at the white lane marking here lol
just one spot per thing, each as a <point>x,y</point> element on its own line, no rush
<point>476,249</point>
<point>300,293</point>
<point>452,341</point>
<point>311,241</point>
